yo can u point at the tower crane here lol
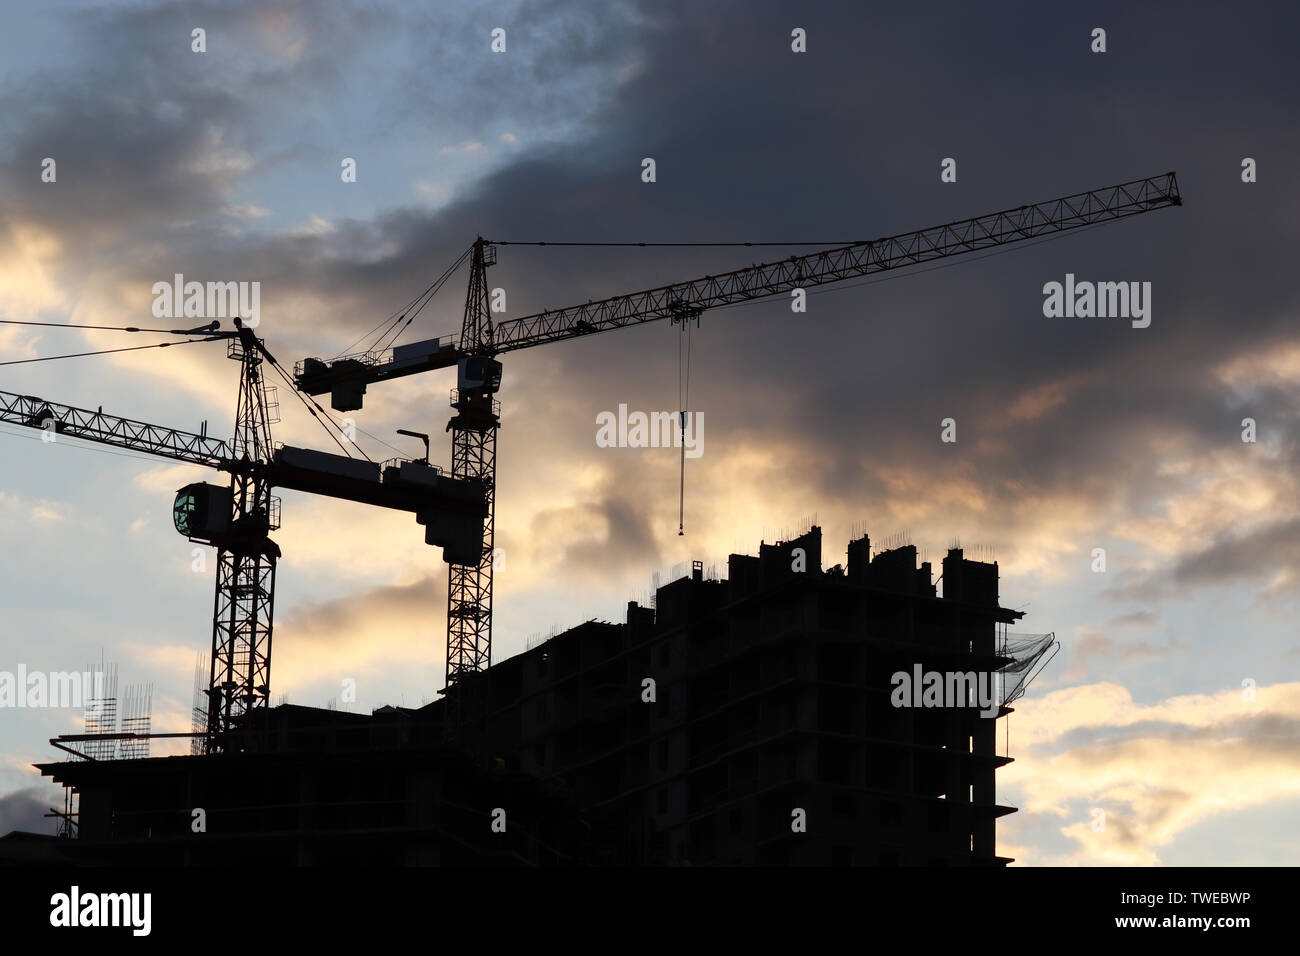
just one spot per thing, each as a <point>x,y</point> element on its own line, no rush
<point>238,518</point>
<point>474,354</point>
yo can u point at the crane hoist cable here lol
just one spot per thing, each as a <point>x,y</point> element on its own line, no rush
<point>385,323</point>
<point>683,405</point>
<point>318,411</point>
<point>393,328</point>
<point>162,345</point>
<point>308,402</point>
<point>429,293</point>
<point>80,446</point>
<point>201,330</point>
<point>392,325</point>
<point>133,348</point>
<point>679,245</point>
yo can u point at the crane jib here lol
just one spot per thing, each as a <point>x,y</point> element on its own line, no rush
<point>844,262</point>
<point>347,376</point>
<point>474,427</point>
<point>402,485</point>
<point>56,419</point>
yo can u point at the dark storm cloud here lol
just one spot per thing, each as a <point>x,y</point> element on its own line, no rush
<point>24,810</point>
<point>1263,553</point>
<point>1093,645</point>
<point>149,137</point>
<point>628,543</point>
<point>1267,557</point>
<point>754,142</point>
<point>326,626</point>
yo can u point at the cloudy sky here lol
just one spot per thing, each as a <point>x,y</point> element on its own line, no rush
<point>1072,434</point>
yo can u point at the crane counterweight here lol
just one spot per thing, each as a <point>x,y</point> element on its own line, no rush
<point>237,519</point>
<point>474,427</point>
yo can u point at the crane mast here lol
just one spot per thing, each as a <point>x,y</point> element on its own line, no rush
<point>474,428</point>
<point>244,605</point>
<point>238,520</point>
<point>245,581</point>
<point>474,457</point>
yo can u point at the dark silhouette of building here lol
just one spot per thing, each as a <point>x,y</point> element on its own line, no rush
<point>749,720</point>
<point>320,787</point>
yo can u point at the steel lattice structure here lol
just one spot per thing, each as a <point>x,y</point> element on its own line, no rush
<point>473,456</point>
<point>244,606</point>
<point>243,610</point>
<point>32,412</point>
<point>469,627</point>
<point>846,262</point>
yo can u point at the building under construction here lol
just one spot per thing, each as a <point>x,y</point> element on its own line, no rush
<point>745,720</point>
